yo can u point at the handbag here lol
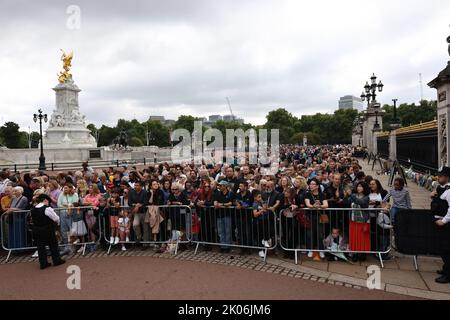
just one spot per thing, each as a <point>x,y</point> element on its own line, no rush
<point>289,213</point>
<point>153,218</point>
<point>323,218</point>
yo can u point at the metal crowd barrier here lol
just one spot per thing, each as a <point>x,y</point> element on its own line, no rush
<point>235,227</point>
<point>166,225</point>
<point>17,229</point>
<point>356,230</point>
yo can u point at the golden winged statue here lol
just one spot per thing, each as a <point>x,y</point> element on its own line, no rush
<point>65,75</point>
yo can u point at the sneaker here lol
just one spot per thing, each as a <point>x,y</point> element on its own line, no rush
<point>123,248</point>
<point>262,254</point>
<point>116,240</point>
<point>322,255</point>
<point>76,241</point>
<point>127,239</point>
<point>35,254</point>
<point>111,240</point>
<point>310,254</point>
<point>266,244</point>
<point>80,250</point>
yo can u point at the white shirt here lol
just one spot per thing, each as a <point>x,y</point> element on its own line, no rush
<point>49,212</point>
<point>3,185</point>
<point>446,196</point>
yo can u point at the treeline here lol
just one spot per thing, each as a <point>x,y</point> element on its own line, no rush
<point>410,114</point>
<point>319,128</point>
<point>12,137</point>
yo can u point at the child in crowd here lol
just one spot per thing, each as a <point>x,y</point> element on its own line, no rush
<point>335,242</point>
<point>261,221</point>
<point>124,227</point>
<point>400,196</point>
<point>103,215</point>
<point>384,226</point>
<point>114,213</point>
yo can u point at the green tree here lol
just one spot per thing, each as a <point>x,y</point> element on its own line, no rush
<point>136,142</point>
<point>284,121</point>
<point>159,133</point>
<point>410,114</point>
<point>185,122</point>
<point>10,136</point>
<point>107,135</point>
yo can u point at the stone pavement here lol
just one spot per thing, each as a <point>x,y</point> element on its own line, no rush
<point>398,276</point>
<point>420,197</point>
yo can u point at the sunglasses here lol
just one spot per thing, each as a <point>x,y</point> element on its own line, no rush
<point>174,189</point>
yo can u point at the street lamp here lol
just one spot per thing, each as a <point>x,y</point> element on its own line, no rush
<point>41,117</point>
<point>148,136</point>
<point>376,126</point>
<point>370,90</point>
<point>395,120</point>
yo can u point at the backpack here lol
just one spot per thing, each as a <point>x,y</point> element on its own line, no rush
<point>439,207</point>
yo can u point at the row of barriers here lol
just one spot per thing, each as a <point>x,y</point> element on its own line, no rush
<point>338,233</point>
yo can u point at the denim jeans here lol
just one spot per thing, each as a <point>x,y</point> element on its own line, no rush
<point>224,230</point>
<point>66,225</point>
<point>393,213</point>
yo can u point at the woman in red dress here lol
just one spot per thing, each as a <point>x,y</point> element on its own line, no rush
<point>359,220</point>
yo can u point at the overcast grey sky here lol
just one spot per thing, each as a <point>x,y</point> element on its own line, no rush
<point>134,59</point>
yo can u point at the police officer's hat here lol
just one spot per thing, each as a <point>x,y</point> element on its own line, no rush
<point>43,197</point>
<point>445,171</point>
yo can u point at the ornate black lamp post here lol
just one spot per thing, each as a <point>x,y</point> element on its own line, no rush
<point>370,90</point>
<point>41,117</point>
<point>376,126</point>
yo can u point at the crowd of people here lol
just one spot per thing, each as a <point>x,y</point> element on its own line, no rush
<point>215,203</point>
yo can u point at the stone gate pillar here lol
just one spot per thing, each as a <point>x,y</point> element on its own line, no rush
<point>442,84</point>
<point>374,115</point>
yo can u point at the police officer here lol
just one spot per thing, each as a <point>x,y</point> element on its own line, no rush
<point>44,221</point>
<point>440,205</point>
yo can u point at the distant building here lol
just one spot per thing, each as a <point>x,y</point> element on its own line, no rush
<point>169,122</point>
<point>157,118</point>
<point>215,117</point>
<point>162,120</point>
<point>228,117</point>
<point>350,102</point>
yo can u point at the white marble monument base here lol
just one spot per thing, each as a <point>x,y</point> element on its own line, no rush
<point>68,138</point>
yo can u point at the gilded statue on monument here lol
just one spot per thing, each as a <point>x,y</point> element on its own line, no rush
<point>65,75</point>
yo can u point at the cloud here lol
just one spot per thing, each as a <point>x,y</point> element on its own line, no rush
<point>142,58</point>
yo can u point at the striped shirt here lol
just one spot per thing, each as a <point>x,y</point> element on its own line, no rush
<point>401,198</point>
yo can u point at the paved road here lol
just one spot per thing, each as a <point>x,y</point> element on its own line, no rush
<point>154,278</point>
